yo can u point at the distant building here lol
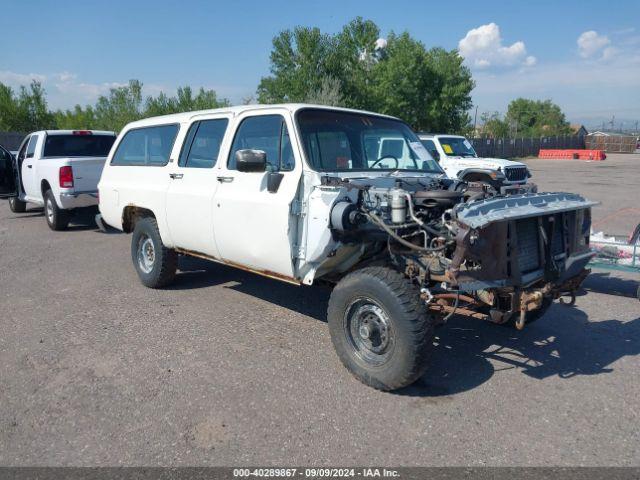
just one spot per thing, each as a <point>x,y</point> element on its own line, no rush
<point>578,130</point>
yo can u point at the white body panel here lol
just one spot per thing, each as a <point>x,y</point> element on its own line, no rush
<point>38,173</point>
<point>230,216</point>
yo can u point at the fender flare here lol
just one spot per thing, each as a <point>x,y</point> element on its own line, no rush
<point>486,172</point>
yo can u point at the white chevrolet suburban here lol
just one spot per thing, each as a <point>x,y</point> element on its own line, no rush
<point>303,193</point>
<point>59,170</point>
<point>459,160</point>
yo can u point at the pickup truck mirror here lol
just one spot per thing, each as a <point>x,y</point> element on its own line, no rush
<point>251,160</point>
<point>29,155</point>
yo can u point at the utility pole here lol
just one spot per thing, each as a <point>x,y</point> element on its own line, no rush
<point>475,119</point>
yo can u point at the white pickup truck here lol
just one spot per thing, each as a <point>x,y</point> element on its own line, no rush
<point>303,193</point>
<point>59,170</point>
<point>460,161</point>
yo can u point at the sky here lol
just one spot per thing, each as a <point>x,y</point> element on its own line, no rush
<point>583,55</point>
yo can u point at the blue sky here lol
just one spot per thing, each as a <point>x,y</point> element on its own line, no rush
<point>584,55</point>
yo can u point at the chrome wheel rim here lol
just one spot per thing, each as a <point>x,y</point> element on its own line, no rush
<point>368,330</point>
<point>146,254</point>
<point>49,210</point>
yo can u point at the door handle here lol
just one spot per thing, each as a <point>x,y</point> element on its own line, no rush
<point>225,179</point>
<point>29,166</point>
<point>176,176</point>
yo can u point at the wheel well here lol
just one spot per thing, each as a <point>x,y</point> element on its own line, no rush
<point>477,177</point>
<point>44,186</point>
<point>131,214</point>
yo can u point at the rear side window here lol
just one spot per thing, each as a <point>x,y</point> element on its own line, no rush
<point>202,145</point>
<point>78,145</point>
<point>149,146</point>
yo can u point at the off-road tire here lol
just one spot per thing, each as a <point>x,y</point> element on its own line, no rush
<point>57,218</point>
<point>411,326</point>
<point>163,268</point>
<point>17,206</point>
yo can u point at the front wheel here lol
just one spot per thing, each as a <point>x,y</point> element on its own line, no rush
<point>57,218</point>
<point>155,264</point>
<point>380,328</point>
<point>17,206</point>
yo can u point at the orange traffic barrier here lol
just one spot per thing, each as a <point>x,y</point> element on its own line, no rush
<point>568,154</point>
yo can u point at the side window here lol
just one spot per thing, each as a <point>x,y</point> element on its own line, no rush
<point>202,144</point>
<point>431,148</point>
<point>148,146</point>
<point>268,133</point>
<point>31,148</point>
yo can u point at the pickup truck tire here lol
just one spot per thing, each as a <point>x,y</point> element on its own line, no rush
<point>17,206</point>
<point>380,328</point>
<point>57,218</point>
<point>156,264</point>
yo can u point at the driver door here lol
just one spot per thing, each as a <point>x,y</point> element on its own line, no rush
<point>8,184</point>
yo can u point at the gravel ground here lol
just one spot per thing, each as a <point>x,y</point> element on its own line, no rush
<point>228,368</point>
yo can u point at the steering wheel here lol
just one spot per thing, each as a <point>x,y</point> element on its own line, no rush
<point>382,158</point>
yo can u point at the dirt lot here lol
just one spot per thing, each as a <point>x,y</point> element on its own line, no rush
<point>227,368</point>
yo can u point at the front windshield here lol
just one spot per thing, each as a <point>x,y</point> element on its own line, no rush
<point>457,147</point>
<point>345,141</point>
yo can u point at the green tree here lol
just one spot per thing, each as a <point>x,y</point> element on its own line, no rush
<point>25,111</point>
<point>535,118</point>
<point>430,89</point>
<point>493,126</point>
<point>125,104</point>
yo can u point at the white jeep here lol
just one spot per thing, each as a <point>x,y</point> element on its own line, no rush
<point>459,160</point>
<point>303,193</point>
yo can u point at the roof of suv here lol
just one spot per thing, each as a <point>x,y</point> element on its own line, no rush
<point>236,110</point>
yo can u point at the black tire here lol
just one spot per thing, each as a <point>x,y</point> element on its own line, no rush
<point>57,218</point>
<point>17,206</point>
<point>383,357</point>
<point>155,264</point>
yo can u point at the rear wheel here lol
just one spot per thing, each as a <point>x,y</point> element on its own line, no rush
<point>381,330</point>
<point>155,264</point>
<point>57,218</point>
<point>17,206</point>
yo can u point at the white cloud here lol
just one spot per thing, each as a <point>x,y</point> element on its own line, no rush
<point>15,79</point>
<point>591,43</point>
<point>482,47</point>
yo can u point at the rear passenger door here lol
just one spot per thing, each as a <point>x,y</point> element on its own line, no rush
<point>7,175</point>
<point>254,227</point>
<point>193,184</point>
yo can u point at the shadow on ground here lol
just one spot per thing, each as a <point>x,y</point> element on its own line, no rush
<point>467,352</point>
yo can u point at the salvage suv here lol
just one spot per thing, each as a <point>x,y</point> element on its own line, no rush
<point>459,160</point>
<point>302,194</point>
<point>59,170</point>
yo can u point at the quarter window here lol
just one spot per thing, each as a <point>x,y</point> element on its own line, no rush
<point>149,146</point>
<point>268,133</point>
<point>202,145</point>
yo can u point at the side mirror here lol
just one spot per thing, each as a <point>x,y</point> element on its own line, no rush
<point>30,155</point>
<point>251,160</point>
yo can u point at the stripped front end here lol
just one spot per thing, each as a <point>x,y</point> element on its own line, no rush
<point>499,258</point>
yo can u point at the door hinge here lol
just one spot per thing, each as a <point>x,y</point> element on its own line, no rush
<point>298,207</point>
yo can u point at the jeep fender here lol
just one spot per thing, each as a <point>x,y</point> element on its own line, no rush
<point>494,177</point>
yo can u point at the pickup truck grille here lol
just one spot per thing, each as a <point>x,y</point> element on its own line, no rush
<point>528,245</point>
<point>516,174</point>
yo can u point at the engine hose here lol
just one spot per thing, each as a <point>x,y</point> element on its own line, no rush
<point>399,239</point>
<point>415,218</point>
<point>455,306</point>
